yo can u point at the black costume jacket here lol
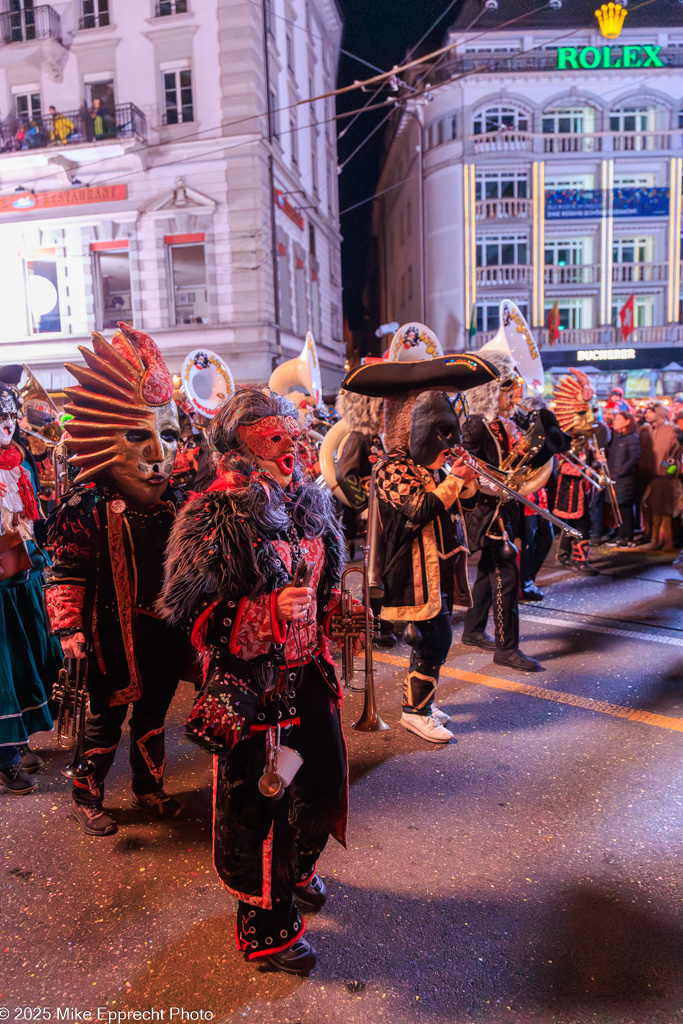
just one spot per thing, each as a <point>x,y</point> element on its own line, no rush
<point>490,443</point>
<point>424,539</point>
<point>106,577</point>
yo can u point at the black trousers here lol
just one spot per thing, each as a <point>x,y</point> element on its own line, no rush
<point>537,540</point>
<point>625,531</point>
<point>263,847</point>
<point>428,655</point>
<point>570,546</point>
<point>147,748</point>
<point>496,589</point>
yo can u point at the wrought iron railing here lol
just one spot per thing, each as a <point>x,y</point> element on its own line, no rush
<point>73,128</point>
<point>29,24</point>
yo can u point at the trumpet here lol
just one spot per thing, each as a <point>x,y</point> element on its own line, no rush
<point>345,627</point>
<point>70,694</point>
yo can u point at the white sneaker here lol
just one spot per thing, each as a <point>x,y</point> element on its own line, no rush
<point>440,716</point>
<point>427,727</point>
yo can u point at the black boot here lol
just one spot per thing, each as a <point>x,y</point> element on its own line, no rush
<point>16,781</point>
<point>530,592</point>
<point>29,760</point>
<point>299,958</point>
<point>516,660</point>
<point>313,893</point>
<point>158,804</point>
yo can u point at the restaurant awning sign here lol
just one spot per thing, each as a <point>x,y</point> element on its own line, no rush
<point>27,202</point>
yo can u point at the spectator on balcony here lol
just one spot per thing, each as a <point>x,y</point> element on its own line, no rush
<point>34,136</point>
<point>61,128</point>
<point>622,459</point>
<point>103,125</point>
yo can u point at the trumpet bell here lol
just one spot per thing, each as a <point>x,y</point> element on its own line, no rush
<point>206,382</point>
<point>302,372</point>
<point>514,339</point>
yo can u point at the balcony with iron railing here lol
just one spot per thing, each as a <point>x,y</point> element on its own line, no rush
<point>514,63</point>
<point>502,209</point>
<point>574,273</point>
<point>30,25</point>
<point>73,128</point>
<point>503,274</point>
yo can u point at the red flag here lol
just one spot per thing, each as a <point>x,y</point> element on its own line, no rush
<point>554,323</point>
<point>627,315</point>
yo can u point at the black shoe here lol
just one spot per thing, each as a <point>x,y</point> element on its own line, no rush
<point>93,819</point>
<point>313,894</point>
<point>158,804</point>
<point>530,592</point>
<point>16,781</point>
<point>583,567</point>
<point>515,659</point>
<point>299,958</point>
<point>29,760</point>
<point>483,640</point>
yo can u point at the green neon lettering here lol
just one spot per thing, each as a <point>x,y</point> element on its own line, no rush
<point>607,62</point>
<point>594,54</point>
<point>567,58</point>
<point>632,57</point>
<point>652,58</point>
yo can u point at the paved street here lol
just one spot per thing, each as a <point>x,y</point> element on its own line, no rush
<point>527,873</point>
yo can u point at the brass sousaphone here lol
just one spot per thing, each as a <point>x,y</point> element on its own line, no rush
<point>205,384</point>
<point>302,372</point>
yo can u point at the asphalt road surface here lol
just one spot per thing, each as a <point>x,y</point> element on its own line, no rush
<point>528,872</point>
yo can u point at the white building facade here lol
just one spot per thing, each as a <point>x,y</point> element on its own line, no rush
<point>546,168</point>
<point>161,163</point>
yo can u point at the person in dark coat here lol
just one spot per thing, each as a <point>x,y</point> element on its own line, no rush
<point>622,459</point>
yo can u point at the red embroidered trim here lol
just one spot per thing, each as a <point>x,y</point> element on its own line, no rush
<point>279,628</point>
<point>65,606</point>
<point>198,634</point>
<point>156,770</point>
<point>122,585</point>
<point>233,646</point>
<point>265,900</point>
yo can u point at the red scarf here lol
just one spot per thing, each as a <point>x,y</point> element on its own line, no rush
<point>10,458</point>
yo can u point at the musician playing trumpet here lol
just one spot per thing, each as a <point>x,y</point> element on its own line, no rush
<point>252,570</point>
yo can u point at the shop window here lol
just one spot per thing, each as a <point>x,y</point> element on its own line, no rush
<point>188,282</point>
<point>42,293</point>
<point>178,102</point>
<point>112,276</point>
<point>95,14</point>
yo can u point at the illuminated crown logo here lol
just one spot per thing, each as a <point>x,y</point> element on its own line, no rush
<point>611,19</point>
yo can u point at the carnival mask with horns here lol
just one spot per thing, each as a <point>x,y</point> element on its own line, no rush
<point>125,424</point>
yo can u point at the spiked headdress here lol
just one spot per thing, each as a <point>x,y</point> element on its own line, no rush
<point>572,400</point>
<point>120,386</point>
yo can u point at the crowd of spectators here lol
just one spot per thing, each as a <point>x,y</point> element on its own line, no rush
<point>89,124</point>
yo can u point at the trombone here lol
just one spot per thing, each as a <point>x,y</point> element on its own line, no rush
<point>494,476</point>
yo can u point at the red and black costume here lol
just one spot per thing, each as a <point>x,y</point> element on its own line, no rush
<point>109,535</point>
<point>232,550</point>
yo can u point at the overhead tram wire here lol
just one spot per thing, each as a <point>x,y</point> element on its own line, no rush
<point>384,76</point>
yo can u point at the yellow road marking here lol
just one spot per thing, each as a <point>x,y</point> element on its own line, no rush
<point>600,706</point>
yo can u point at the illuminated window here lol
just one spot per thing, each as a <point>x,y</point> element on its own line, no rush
<point>42,294</point>
<point>188,281</point>
<point>112,276</point>
<point>498,118</point>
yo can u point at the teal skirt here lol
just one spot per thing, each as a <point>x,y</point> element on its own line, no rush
<point>29,658</point>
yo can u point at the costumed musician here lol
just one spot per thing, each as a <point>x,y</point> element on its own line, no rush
<point>572,398</point>
<point>491,435</point>
<point>251,570</point>
<point>420,508</point>
<point>109,536</point>
<point>29,658</point>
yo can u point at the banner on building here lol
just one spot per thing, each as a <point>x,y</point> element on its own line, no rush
<point>583,203</point>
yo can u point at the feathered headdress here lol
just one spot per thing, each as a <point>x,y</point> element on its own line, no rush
<point>119,387</point>
<point>572,398</point>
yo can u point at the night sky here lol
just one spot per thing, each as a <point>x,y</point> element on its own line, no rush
<point>381,32</point>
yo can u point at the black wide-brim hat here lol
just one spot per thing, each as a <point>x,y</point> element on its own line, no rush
<point>447,373</point>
